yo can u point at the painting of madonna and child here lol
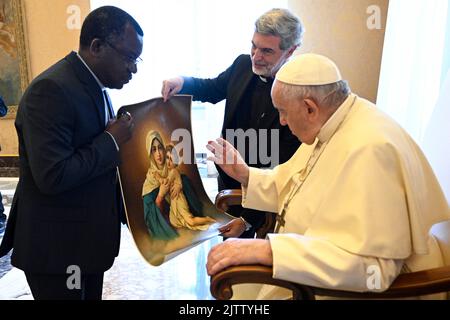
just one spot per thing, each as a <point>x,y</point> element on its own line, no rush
<point>167,208</point>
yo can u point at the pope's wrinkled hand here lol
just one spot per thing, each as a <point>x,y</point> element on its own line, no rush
<point>234,252</point>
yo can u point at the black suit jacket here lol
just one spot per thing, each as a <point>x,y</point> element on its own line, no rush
<point>232,85</point>
<point>65,209</point>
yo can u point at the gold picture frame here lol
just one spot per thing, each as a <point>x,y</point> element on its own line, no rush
<point>14,62</point>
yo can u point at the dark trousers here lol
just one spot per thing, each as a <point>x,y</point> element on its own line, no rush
<point>54,287</point>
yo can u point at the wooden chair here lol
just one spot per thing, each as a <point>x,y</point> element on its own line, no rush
<point>412,284</point>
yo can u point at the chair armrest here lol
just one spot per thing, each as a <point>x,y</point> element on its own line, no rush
<point>227,198</point>
<point>222,282</point>
<point>405,285</point>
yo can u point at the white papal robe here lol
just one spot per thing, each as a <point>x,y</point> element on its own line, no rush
<point>360,200</point>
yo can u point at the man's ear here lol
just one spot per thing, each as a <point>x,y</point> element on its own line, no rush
<point>291,50</point>
<point>96,48</point>
<point>312,107</point>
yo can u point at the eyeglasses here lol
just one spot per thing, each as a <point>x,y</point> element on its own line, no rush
<point>127,58</point>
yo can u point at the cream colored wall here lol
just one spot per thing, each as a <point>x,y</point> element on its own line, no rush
<point>338,29</point>
<point>48,40</point>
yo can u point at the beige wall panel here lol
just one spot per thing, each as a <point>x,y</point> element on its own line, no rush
<point>338,29</point>
<point>8,137</point>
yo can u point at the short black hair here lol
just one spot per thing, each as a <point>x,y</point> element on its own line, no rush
<point>105,23</point>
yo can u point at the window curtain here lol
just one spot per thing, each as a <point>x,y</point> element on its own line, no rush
<point>414,81</point>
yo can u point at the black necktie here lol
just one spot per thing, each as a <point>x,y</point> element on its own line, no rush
<point>108,105</point>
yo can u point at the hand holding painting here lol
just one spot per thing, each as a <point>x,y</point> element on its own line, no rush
<point>125,115</point>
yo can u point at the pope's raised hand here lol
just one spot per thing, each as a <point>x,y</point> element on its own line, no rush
<point>229,160</point>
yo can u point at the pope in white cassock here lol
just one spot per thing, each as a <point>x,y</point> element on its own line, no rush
<point>358,193</point>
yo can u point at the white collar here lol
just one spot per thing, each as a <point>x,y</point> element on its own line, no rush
<point>93,74</point>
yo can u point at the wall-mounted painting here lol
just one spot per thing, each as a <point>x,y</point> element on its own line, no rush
<point>167,208</point>
<point>14,68</point>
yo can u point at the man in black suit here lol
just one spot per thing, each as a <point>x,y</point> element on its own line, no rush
<point>64,224</point>
<point>246,86</point>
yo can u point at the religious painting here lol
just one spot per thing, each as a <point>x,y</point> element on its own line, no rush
<point>14,70</point>
<point>167,208</point>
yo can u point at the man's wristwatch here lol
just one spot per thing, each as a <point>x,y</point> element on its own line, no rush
<point>247,225</point>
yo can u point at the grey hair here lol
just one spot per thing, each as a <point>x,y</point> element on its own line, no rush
<point>281,23</point>
<point>328,95</point>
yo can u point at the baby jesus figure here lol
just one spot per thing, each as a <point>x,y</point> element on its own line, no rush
<point>179,215</point>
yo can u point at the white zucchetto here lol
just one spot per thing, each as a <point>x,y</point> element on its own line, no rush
<point>309,70</point>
